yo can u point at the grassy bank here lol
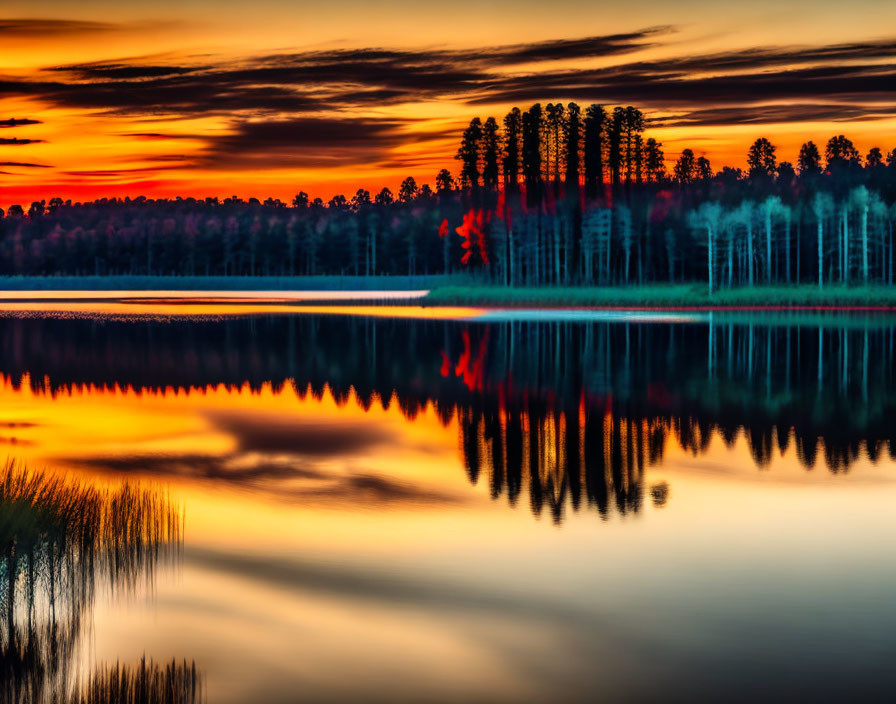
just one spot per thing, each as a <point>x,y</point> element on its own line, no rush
<point>461,289</point>
<point>658,296</point>
<point>230,283</point>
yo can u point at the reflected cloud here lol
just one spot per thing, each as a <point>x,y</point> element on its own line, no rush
<point>408,590</point>
<point>212,468</point>
<point>268,433</point>
<point>290,479</point>
<point>13,440</point>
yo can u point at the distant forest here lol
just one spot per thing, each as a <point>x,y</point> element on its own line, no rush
<point>552,196</point>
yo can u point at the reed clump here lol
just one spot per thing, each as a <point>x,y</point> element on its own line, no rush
<point>61,540</point>
<point>145,683</point>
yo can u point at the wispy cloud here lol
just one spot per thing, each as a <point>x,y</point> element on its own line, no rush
<point>314,82</point>
<point>301,82</point>
<point>311,141</point>
<point>38,28</point>
<point>14,122</point>
<point>297,477</point>
<point>31,27</point>
<point>25,165</point>
<point>764,114</point>
<point>326,107</point>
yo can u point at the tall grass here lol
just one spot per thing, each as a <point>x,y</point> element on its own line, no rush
<point>59,541</point>
<point>146,683</point>
<point>52,524</point>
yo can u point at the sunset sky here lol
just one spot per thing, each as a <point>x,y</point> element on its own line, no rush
<point>266,98</point>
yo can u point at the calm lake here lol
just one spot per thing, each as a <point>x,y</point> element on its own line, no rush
<point>454,505</point>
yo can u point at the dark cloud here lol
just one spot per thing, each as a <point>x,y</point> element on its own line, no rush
<point>301,82</point>
<point>568,49</point>
<point>28,27</point>
<point>297,109</point>
<point>24,165</point>
<point>160,135</point>
<point>791,112</point>
<point>316,82</point>
<point>14,122</point>
<point>182,95</point>
<point>14,142</point>
<point>179,159</point>
<point>125,71</point>
<point>406,161</point>
<point>35,28</point>
<point>663,86</point>
<point>114,173</point>
<point>310,141</point>
<point>769,57</point>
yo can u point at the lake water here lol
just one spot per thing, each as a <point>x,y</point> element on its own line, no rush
<point>461,505</point>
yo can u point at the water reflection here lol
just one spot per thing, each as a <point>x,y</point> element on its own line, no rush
<point>60,542</point>
<point>567,414</point>
<point>338,552</point>
<point>593,459</point>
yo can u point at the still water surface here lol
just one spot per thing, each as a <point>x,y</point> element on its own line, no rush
<point>465,505</point>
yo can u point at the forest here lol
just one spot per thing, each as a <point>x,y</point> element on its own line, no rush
<point>553,196</point>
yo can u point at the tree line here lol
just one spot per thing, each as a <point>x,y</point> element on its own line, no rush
<point>555,195</point>
<point>584,197</point>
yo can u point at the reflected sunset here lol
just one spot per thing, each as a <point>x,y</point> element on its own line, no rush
<point>398,513</point>
<point>187,310</point>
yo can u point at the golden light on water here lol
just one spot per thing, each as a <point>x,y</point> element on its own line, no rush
<point>150,308</point>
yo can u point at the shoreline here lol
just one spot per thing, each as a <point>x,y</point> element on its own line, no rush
<point>670,298</point>
<point>441,291</point>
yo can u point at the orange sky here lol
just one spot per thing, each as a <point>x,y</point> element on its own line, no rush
<point>198,98</point>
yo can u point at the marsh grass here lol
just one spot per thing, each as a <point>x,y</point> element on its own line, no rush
<point>145,683</point>
<point>50,523</point>
<point>229,283</point>
<point>665,295</point>
<point>59,540</point>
